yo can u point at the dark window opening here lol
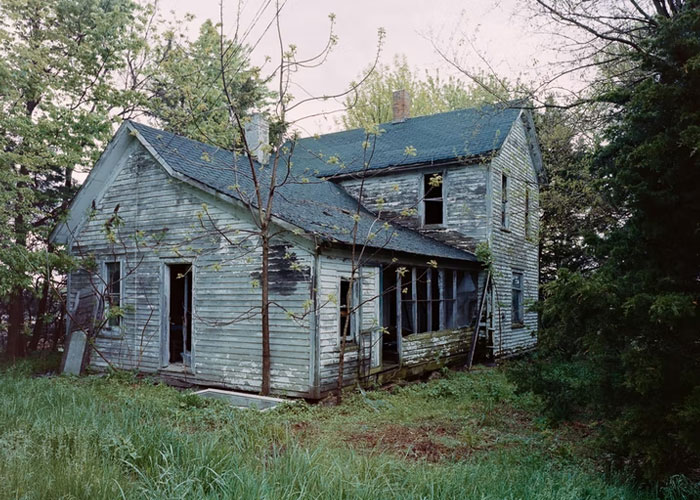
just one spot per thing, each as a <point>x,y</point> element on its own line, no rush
<point>390,348</point>
<point>345,302</point>
<point>422,299</point>
<point>504,201</point>
<point>407,322</point>
<point>434,301</point>
<point>428,300</point>
<point>449,299</point>
<point>113,293</point>
<point>432,199</point>
<point>467,299</point>
<point>180,313</point>
<point>518,306</point>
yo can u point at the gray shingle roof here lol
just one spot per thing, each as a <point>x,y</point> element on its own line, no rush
<point>464,133</point>
<point>319,207</point>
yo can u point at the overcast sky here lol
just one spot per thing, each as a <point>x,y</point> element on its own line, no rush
<point>499,31</point>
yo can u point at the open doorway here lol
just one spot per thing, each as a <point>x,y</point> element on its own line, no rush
<point>180,331</point>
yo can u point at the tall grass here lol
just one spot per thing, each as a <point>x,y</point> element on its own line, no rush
<point>112,437</point>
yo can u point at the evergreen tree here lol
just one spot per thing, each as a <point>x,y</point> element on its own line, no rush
<point>630,326</point>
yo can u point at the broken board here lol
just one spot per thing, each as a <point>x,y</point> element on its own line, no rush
<point>74,354</point>
<point>241,400</point>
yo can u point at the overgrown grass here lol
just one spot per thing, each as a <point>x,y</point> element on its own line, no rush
<point>465,436</point>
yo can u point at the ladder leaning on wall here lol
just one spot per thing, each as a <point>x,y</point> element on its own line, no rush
<point>484,321</point>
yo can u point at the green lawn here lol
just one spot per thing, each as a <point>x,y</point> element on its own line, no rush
<point>464,436</point>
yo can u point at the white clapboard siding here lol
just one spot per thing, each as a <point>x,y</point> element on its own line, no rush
<point>510,249</point>
<point>331,271</point>
<point>226,349</point>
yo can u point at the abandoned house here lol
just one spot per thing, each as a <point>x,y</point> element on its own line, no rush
<point>163,226</point>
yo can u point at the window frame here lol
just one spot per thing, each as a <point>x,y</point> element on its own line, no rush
<point>441,199</point>
<point>109,328</point>
<point>505,219</point>
<point>441,309</point>
<point>353,327</point>
<point>517,313</point>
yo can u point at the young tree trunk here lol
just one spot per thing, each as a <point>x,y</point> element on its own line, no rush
<point>265,315</point>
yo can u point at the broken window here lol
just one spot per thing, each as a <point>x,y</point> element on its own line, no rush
<point>180,340</point>
<point>518,313</point>
<point>346,315</point>
<point>390,353</point>
<point>432,199</point>
<point>407,286</point>
<point>504,202</point>
<point>422,299</point>
<point>467,299</point>
<point>449,298</point>
<point>113,295</point>
<point>432,300</point>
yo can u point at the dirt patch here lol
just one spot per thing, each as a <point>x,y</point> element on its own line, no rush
<point>416,443</point>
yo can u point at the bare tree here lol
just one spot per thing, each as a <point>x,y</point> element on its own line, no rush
<point>267,177</point>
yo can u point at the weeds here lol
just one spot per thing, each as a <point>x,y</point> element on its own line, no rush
<point>464,436</point>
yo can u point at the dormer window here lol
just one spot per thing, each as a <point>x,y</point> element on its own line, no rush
<point>432,199</point>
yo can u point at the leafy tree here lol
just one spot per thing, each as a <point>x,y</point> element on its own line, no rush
<point>187,91</point>
<point>430,93</point>
<point>56,59</point>
<point>573,209</point>
<point>69,70</point>
<point>631,324</point>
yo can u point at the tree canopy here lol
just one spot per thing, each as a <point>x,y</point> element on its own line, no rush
<point>371,103</point>
<point>187,90</point>
<point>627,327</point>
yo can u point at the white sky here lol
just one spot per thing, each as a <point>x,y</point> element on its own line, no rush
<point>498,28</point>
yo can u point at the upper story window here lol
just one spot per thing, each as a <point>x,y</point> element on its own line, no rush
<point>505,220</point>
<point>432,199</point>
<point>113,295</point>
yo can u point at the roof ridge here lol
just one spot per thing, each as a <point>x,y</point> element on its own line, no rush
<point>502,105</point>
<point>179,136</point>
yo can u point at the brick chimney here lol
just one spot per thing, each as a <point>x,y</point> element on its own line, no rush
<point>401,105</point>
<point>257,135</point>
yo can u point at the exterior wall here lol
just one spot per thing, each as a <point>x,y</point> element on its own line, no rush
<point>440,346</point>
<point>472,195</point>
<point>464,194</point>
<point>332,269</point>
<point>510,249</point>
<point>226,333</point>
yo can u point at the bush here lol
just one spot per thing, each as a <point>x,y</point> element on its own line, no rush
<point>564,386</point>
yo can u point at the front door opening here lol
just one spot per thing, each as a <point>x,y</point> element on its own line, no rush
<point>180,334</point>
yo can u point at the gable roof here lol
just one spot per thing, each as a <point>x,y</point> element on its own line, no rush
<point>317,207</point>
<point>460,134</point>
